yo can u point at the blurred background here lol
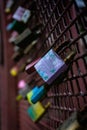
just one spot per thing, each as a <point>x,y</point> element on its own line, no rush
<point>28,31</point>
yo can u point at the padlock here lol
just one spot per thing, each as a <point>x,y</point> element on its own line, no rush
<point>38,95</point>
<point>14,71</point>
<point>17,26</point>
<point>18,13</point>
<point>31,93</point>
<point>80,3</point>
<point>9,5</point>
<point>50,66</point>
<point>23,90</point>
<point>21,84</point>
<point>30,67</point>
<point>36,111</point>
<point>26,16</point>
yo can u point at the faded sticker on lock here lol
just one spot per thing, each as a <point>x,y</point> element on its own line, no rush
<point>22,14</point>
<point>19,13</point>
<point>50,66</point>
<point>26,16</point>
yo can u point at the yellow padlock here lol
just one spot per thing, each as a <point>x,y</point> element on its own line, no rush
<point>19,97</point>
<point>36,111</point>
<point>14,71</point>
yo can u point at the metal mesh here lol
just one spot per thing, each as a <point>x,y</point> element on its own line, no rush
<point>62,21</point>
<point>65,20</point>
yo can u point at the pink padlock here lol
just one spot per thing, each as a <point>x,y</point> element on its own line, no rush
<point>21,84</point>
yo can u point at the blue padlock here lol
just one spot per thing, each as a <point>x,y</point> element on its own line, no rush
<point>80,3</point>
<point>38,95</point>
<point>11,25</point>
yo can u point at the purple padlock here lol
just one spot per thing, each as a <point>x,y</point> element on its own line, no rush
<point>50,66</point>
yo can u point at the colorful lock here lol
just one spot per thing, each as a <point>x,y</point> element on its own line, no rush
<point>36,111</point>
<point>21,84</point>
<point>26,16</point>
<point>19,97</point>
<point>22,14</point>
<point>38,95</point>
<point>9,5</point>
<point>23,90</point>
<point>18,13</point>
<point>30,67</point>
<point>17,26</point>
<point>14,71</point>
<point>30,94</point>
<point>50,66</point>
<point>80,3</point>
<point>11,25</point>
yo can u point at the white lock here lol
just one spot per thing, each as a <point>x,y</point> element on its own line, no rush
<point>26,16</point>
